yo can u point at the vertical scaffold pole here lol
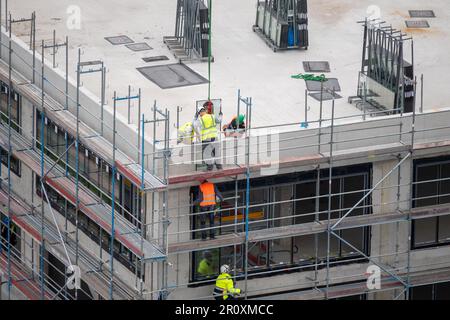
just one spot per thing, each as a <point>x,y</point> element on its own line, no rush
<point>143,153</point>
<point>317,199</point>
<point>143,203</point>
<point>247,200</point>
<point>34,47</point>
<point>8,226</point>
<point>54,49</point>
<point>139,127</point>
<point>411,197</point>
<point>67,73</point>
<point>1,4</point>
<point>165,198</point>
<point>113,202</point>
<point>236,142</point>
<point>42,251</point>
<point>330,190</point>
<point>129,104</point>
<point>77,161</point>
<point>102,102</point>
<point>209,47</point>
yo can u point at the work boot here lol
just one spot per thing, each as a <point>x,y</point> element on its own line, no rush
<point>209,167</point>
<point>219,166</point>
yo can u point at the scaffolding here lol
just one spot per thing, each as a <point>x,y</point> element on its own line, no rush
<point>323,146</point>
<point>402,148</point>
<point>54,170</point>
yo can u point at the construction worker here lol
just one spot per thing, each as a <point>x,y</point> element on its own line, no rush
<point>186,133</point>
<point>209,106</point>
<point>234,128</point>
<point>205,267</point>
<point>225,289</point>
<point>208,197</point>
<point>207,128</point>
<point>4,234</point>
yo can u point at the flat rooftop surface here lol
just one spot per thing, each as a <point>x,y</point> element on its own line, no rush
<point>242,59</point>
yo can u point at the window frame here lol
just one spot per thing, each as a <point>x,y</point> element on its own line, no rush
<point>339,173</point>
<point>423,163</point>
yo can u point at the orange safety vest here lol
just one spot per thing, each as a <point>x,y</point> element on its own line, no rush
<point>209,195</point>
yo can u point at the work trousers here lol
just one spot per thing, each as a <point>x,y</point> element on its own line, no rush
<point>218,295</point>
<point>211,153</point>
<point>207,211</point>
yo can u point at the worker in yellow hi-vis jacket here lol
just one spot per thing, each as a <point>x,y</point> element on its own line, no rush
<point>225,289</point>
<point>206,125</point>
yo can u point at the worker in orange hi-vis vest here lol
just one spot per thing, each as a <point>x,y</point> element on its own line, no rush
<point>208,197</point>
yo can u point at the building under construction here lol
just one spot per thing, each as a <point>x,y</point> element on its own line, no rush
<point>340,177</point>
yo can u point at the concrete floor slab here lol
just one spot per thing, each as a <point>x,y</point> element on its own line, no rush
<point>242,60</point>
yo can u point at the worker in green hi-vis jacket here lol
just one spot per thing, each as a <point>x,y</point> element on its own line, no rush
<point>206,266</point>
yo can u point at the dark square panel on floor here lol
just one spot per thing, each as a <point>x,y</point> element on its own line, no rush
<point>119,40</point>
<point>325,96</point>
<point>421,14</point>
<point>316,66</point>
<point>331,83</point>
<point>417,24</point>
<point>172,75</point>
<point>155,58</point>
<point>142,46</point>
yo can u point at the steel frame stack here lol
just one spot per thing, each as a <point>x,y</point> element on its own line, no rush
<point>383,61</point>
<point>192,31</point>
<point>283,12</point>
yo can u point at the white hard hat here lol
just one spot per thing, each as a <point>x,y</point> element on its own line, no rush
<point>225,268</point>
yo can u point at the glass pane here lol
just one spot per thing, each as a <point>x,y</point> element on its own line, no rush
<point>206,264</point>
<point>285,209</point>
<point>424,231</point>
<point>442,291</point>
<point>323,246</point>
<point>445,184</point>
<point>280,251</point>
<point>426,192</point>
<point>335,198</point>
<point>305,207</point>
<point>228,217</point>
<point>422,293</point>
<point>257,255</point>
<point>356,238</point>
<point>93,169</point>
<point>127,198</point>
<point>230,256</point>
<point>444,228</point>
<point>106,177</point>
<point>353,192</point>
<point>81,160</point>
<point>259,211</point>
<point>304,249</point>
